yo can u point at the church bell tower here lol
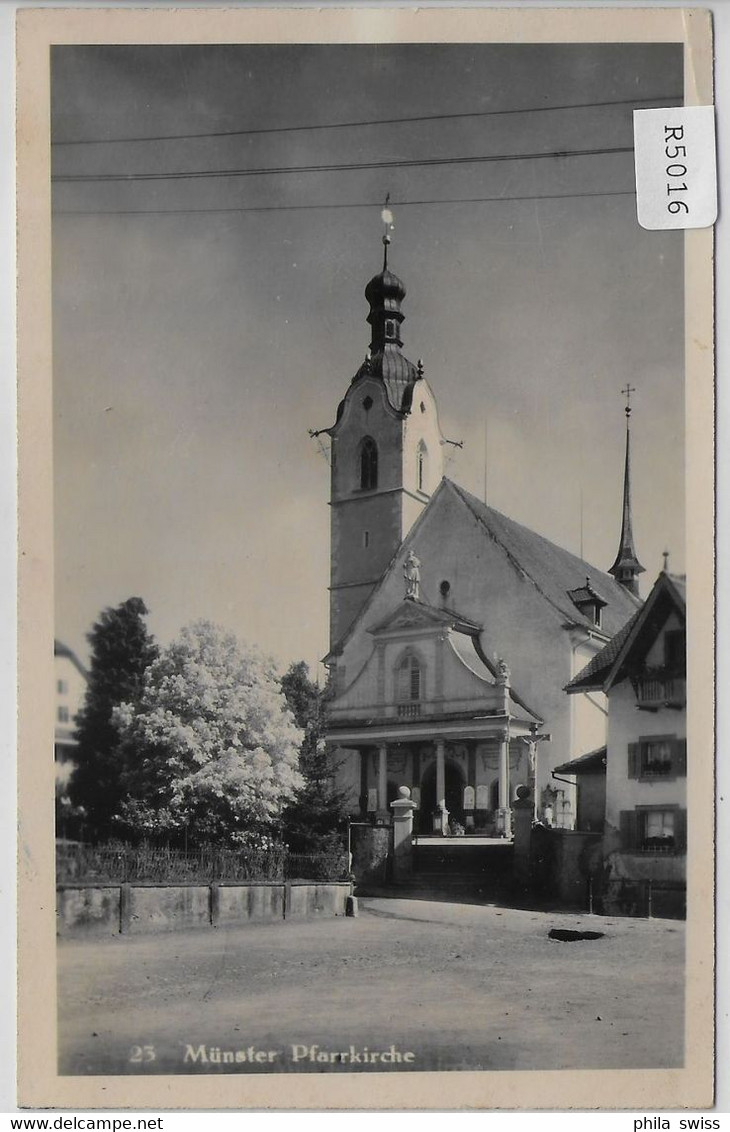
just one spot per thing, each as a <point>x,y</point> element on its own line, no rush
<point>386,455</point>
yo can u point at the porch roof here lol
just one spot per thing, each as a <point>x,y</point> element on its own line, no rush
<point>456,725</point>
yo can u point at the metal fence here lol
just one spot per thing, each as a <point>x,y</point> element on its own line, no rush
<point>121,864</point>
<point>645,898</point>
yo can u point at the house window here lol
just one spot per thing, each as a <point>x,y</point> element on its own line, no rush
<point>658,756</point>
<point>421,466</point>
<point>656,830</point>
<point>675,652</point>
<point>408,679</point>
<point>368,464</point>
<point>62,687</point>
<point>63,715</point>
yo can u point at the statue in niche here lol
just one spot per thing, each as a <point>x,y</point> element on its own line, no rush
<point>412,575</point>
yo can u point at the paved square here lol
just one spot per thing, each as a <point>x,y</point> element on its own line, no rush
<point>457,986</point>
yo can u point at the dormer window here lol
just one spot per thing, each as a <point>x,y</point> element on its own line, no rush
<point>368,464</point>
<point>588,603</point>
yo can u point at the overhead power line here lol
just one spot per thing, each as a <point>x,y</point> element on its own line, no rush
<point>335,167</point>
<point>357,204</point>
<point>665,98</point>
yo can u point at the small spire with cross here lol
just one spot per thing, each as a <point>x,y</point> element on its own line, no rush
<point>627,566</point>
<point>386,216</point>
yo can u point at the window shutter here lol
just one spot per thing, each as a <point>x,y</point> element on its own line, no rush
<point>679,758</point>
<point>680,830</point>
<point>633,771</point>
<point>628,829</point>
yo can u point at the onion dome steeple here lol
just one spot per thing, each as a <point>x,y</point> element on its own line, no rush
<point>627,567</point>
<point>385,293</point>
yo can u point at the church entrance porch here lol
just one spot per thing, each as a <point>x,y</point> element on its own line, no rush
<point>430,817</point>
<point>461,786</point>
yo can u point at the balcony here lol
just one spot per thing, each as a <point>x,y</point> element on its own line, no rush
<point>654,691</point>
<point>409,711</point>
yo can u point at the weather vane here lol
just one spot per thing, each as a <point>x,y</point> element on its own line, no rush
<point>627,392</point>
<point>386,216</point>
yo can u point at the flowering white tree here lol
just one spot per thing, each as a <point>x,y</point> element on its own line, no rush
<point>214,748</point>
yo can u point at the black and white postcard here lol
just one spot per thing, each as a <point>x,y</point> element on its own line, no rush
<point>366,533</point>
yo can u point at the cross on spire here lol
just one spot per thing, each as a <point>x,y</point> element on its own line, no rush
<point>386,216</point>
<point>627,393</point>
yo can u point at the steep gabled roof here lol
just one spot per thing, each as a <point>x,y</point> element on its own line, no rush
<point>60,649</point>
<point>593,762</point>
<point>553,570</point>
<point>605,668</point>
<point>598,668</point>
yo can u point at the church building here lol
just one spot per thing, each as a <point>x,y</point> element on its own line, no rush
<point>453,629</point>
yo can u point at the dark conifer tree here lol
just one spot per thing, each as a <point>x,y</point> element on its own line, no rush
<point>121,650</point>
<point>315,821</point>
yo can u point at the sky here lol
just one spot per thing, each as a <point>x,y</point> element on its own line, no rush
<point>197,340</point>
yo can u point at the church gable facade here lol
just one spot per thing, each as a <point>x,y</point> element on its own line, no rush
<point>454,630</point>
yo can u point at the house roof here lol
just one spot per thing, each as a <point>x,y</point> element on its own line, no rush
<point>60,649</point>
<point>553,570</point>
<point>594,762</point>
<point>605,668</point>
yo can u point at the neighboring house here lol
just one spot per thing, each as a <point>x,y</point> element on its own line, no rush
<point>70,688</point>
<point>642,671</point>
<point>416,681</point>
<point>590,775</point>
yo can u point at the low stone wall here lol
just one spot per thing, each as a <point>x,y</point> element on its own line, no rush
<point>570,864</point>
<point>88,911</point>
<point>111,909</point>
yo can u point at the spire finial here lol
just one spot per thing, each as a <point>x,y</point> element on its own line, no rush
<point>665,556</point>
<point>387,217</point>
<point>627,567</point>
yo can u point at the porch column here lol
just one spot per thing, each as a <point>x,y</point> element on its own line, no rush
<point>443,816</point>
<point>383,778</point>
<point>504,814</point>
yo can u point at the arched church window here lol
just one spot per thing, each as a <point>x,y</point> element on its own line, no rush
<point>408,679</point>
<point>422,467</point>
<point>368,464</point>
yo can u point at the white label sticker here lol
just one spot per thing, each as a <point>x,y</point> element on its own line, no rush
<point>676,179</point>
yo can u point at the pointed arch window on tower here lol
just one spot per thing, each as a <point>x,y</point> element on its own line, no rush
<point>422,467</point>
<point>368,464</point>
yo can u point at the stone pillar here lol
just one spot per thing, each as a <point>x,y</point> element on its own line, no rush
<point>504,814</point>
<point>402,809</point>
<point>441,821</point>
<point>522,825</point>
<point>383,780</point>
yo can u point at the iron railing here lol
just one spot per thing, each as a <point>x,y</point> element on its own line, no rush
<point>120,864</point>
